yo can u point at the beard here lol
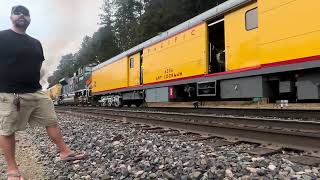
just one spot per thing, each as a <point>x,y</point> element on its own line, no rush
<point>22,23</point>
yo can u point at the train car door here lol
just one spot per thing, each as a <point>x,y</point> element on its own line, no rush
<point>135,69</point>
<point>216,46</point>
<point>141,68</point>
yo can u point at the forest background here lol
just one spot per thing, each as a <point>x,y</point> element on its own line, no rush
<point>125,24</point>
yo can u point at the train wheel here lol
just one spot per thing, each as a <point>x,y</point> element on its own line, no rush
<point>138,104</point>
<point>118,104</point>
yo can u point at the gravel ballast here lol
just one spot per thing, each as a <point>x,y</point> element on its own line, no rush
<point>122,151</point>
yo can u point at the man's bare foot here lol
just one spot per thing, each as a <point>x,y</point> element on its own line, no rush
<point>71,156</point>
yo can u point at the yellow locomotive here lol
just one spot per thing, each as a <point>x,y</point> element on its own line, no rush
<point>241,49</point>
<point>54,92</point>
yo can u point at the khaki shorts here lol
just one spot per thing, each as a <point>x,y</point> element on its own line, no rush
<point>36,109</point>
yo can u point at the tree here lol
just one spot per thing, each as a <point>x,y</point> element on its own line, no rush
<point>126,22</point>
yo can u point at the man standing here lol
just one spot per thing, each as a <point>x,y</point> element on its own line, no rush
<point>21,100</point>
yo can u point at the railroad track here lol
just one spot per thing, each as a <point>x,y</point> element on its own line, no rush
<point>272,134</point>
<point>303,114</point>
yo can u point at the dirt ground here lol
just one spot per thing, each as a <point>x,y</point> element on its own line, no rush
<point>26,155</point>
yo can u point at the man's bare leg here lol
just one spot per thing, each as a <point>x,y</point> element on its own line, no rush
<point>56,136</point>
<point>8,144</point>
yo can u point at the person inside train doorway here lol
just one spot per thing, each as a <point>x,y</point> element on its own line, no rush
<point>21,100</point>
<point>218,59</point>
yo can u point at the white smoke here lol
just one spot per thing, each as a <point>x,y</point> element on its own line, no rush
<point>69,22</point>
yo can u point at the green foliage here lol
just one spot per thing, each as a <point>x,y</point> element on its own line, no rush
<point>125,24</point>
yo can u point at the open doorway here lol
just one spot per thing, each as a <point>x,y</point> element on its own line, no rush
<point>216,46</point>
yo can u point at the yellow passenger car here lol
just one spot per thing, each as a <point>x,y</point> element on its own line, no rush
<point>284,31</point>
<point>240,49</point>
<point>180,56</point>
<point>288,30</point>
<point>54,92</point>
<point>111,76</point>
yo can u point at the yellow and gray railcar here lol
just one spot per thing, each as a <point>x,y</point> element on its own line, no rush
<point>54,93</point>
<point>241,49</point>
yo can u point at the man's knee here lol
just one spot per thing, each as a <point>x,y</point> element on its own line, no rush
<point>6,140</point>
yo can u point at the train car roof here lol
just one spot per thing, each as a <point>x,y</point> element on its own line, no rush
<point>204,17</point>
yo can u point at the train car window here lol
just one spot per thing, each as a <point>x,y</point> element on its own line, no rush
<point>252,19</point>
<point>131,63</point>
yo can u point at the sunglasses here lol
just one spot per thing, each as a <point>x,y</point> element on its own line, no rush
<point>18,13</point>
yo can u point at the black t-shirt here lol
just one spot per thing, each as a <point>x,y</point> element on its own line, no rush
<point>21,58</point>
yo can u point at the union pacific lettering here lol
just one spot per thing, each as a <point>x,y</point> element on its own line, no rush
<point>172,40</point>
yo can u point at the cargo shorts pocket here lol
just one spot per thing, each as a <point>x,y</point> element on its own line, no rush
<point>4,118</point>
<point>6,108</point>
<point>6,115</point>
<point>7,123</point>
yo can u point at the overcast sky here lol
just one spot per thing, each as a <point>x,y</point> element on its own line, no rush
<point>60,25</point>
